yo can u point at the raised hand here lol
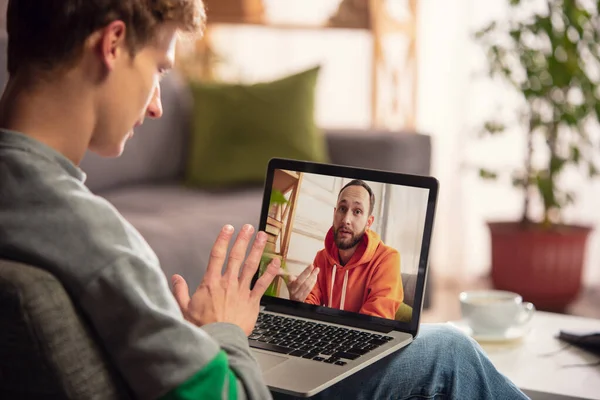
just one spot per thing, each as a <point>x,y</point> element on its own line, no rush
<point>227,297</point>
<point>300,286</point>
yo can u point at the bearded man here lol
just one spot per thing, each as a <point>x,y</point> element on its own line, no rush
<point>355,271</point>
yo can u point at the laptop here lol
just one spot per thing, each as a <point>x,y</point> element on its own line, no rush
<point>366,309</point>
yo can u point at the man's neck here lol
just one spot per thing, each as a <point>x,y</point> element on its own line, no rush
<point>56,113</point>
<point>346,255</point>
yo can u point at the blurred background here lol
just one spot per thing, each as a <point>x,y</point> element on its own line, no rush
<point>509,116</point>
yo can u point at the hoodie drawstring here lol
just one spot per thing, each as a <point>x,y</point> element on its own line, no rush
<point>344,290</point>
<point>332,282</point>
<point>344,286</point>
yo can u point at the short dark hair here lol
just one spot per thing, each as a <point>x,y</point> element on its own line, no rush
<point>51,33</point>
<point>358,182</point>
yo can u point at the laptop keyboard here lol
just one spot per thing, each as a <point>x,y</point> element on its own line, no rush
<point>312,340</point>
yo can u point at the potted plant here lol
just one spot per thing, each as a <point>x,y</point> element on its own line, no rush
<point>551,58</point>
<point>277,200</point>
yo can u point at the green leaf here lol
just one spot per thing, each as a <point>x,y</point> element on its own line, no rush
<point>493,127</point>
<point>546,188</point>
<point>487,174</point>
<point>592,170</point>
<point>575,154</point>
<point>515,34</point>
<point>277,197</point>
<point>485,31</point>
<point>556,164</point>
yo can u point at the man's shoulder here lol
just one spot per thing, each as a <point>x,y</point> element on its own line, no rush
<point>321,255</point>
<point>43,188</point>
<point>385,249</point>
<point>56,223</point>
<point>385,252</point>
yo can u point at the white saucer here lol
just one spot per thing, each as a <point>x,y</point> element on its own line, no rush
<point>514,333</point>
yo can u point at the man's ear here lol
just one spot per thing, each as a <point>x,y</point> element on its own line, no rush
<point>370,221</point>
<point>112,43</point>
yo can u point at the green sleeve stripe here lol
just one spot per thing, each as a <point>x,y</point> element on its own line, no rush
<point>208,383</point>
<point>232,386</point>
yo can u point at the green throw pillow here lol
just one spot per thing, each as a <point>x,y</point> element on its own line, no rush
<point>404,313</point>
<point>238,128</point>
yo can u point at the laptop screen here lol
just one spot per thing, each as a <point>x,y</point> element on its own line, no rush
<point>347,243</point>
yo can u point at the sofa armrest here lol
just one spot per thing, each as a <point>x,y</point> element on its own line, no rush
<point>402,151</point>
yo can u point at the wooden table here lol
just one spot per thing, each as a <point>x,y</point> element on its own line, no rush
<point>538,366</point>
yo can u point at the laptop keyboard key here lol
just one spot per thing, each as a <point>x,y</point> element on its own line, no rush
<point>298,353</point>
<point>269,346</point>
<point>254,336</point>
<point>342,363</point>
<point>319,359</point>
<point>310,355</point>
<point>343,354</point>
<point>355,350</point>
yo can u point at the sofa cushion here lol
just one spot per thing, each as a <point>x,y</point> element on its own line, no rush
<point>238,128</point>
<point>409,283</point>
<point>398,151</point>
<point>181,224</point>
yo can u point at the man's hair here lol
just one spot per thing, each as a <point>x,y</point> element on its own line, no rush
<point>358,182</point>
<point>46,34</point>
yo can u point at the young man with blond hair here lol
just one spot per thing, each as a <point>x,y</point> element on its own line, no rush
<point>83,75</point>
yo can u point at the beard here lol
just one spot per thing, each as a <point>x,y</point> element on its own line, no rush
<point>347,243</point>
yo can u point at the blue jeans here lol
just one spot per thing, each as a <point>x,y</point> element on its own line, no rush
<point>441,363</point>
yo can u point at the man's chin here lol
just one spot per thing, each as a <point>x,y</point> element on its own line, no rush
<point>109,151</point>
<point>344,244</point>
<point>347,243</point>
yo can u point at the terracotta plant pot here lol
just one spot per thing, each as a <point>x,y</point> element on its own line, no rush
<point>544,266</point>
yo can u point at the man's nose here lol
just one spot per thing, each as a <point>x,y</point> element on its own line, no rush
<point>155,109</point>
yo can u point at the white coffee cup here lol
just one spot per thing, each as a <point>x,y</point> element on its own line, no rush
<point>494,311</point>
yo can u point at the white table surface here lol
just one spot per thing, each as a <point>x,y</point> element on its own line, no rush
<point>527,362</point>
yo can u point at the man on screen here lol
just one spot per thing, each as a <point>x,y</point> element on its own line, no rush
<point>355,271</point>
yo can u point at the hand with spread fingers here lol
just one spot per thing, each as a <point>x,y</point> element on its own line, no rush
<point>300,286</point>
<point>227,297</point>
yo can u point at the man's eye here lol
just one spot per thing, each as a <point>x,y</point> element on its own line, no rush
<point>358,212</point>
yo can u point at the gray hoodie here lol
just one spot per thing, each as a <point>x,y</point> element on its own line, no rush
<point>49,218</point>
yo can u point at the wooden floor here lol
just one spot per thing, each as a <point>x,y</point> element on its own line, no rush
<point>446,307</point>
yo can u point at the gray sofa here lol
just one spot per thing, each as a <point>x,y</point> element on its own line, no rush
<point>180,223</point>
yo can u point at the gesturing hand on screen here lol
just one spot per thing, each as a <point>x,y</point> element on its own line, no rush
<point>301,285</point>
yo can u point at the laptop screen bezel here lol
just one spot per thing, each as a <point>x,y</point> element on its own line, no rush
<point>348,318</point>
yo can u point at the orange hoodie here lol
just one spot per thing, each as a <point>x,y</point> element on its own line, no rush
<point>370,283</point>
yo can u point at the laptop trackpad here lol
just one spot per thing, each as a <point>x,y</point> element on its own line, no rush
<point>268,361</point>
